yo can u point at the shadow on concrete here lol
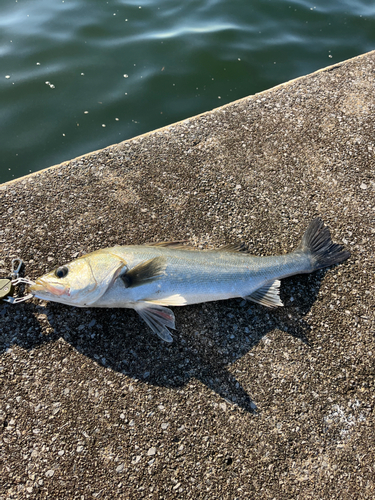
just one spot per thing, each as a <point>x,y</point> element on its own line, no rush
<point>209,338</point>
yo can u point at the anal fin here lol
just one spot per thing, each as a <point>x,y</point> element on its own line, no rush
<point>158,319</point>
<point>268,295</point>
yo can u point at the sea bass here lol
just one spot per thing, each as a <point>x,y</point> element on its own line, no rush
<point>150,277</point>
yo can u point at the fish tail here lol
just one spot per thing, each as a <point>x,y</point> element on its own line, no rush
<point>318,243</point>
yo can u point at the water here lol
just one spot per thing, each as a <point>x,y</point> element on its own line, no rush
<point>79,75</point>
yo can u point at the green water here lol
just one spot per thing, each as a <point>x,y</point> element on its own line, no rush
<point>78,75</point>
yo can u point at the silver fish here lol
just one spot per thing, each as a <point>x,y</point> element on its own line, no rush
<point>150,277</point>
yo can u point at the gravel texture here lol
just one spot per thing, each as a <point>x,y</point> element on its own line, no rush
<point>246,402</point>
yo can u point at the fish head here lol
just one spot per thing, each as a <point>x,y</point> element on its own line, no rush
<point>80,282</point>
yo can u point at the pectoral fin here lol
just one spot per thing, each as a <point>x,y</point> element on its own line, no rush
<point>158,319</point>
<point>267,295</point>
<point>144,272</point>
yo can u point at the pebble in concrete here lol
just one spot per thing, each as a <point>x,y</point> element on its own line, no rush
<point>260,404</point>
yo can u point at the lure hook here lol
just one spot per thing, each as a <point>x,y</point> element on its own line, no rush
<point>16,281</point>
<point>16,270</point>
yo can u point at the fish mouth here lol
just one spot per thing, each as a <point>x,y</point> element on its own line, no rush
<point>56,289</point>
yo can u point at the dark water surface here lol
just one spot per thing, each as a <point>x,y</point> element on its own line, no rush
<point>78,75</point>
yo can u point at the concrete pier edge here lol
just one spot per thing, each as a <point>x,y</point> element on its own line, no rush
<point>246,402</point>
<point>141,136</point>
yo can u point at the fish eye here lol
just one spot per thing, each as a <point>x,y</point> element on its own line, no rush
<point>61,272</point>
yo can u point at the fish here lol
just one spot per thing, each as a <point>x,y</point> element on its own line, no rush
<point>150,277</point>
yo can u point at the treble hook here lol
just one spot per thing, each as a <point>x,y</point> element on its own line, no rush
<point>15,280</point>
<point>16,271</point>
<point>17,300</point>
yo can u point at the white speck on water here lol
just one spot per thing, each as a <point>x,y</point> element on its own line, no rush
<point>103,125</point>
<point>126,76</point>
<point>7,77</point>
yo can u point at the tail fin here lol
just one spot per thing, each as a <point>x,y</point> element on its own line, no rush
<point>317,241</point>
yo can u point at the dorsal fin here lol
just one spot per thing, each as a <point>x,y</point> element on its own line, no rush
<point>176,245</point>
<point>165,243</point>
<point>180,245</point>
<point>233,247</point>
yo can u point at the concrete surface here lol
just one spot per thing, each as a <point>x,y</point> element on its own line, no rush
<point>246,402</point>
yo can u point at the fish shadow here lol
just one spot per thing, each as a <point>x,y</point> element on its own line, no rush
<point>209,339</point>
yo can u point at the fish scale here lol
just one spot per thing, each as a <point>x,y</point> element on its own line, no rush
<point>148,278</point>
<point>205,276</point>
